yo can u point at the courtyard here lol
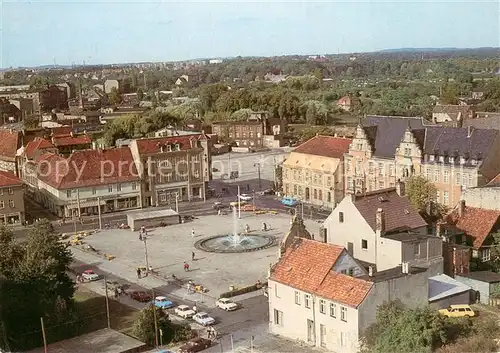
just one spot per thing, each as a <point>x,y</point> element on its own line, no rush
<point>169,247</point>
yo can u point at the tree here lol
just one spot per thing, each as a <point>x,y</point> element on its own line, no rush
<point>34,284</point>
<point>140,94</point>
<point>312,131</point>
<point>279,177</point>
<point>421,193</point>
<point>114,96</point>
<point>144,327</point>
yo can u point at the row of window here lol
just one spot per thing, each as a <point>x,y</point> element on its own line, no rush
<point>70,192</point>
<point>450,159</point>
<point>9,190</point>
<point>372,168</point>
<point>317,194</point>
<point>332,307</point>
<point>466,179</point>
<point>316,178</point>
<point>11,204</point>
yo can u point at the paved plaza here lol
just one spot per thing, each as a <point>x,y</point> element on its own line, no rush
<point>169,247</point>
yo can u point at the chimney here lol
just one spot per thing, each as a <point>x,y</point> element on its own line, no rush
<point>400,188</point>
<point>322,234</point>
<point>469,131</point>
<point>461,208</point>
<point>380,222</point>
<point>370,271</point>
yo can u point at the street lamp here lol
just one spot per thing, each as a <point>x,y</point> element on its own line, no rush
<point>258,169</point>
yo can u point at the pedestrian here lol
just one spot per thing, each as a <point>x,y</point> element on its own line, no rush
<point>192,256</point>
<point>192,232</point>
<point>219,212</point>
<point>195,309</point>
<point>138,272</point>
<point>140,236</point>
<point>209,333</point>
<point>264,226</point>
<point>116,293</point>
<point>186,266</point>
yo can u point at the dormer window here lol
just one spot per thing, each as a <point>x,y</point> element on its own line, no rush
<point>450,159</point>
<point>473,162</point>
<point>169,148</point>
<point>441,159</point>
<point>177,147</point>
<point>462,160</point>
<point>431,158</point>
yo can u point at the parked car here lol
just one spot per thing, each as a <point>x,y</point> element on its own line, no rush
<point>184,311</point>
<point>288,201</point>
<point>140,296</point>
<point>163,303</point>
<point>226,304</point>
<point>90,275</point>
<point>218,205</point>
<point>235,203</point>
<point>203,319</point>
<point>248,207</point>
<point>246,197</point>
<point>458,311</point>
<point>195,345</point>
<point>267,192</point>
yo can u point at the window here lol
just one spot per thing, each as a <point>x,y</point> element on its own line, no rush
<point>348,166</point>
<point>438,198</point>
<point>322,335</point>
<point>429,174</point>
<point>416,249</point>
<point>464,179</point>
<point>322,306</point>
<point>341,217</point>
<point>381,168</point>
<point>351,271</point>
<point>2,204</point>
<point>371,167</point>
<point>343,313</point>
<point>276,294</point>
<point>381,184</point>
<point>110,188</point>
<point>350,184</point>
<point>118,187</point>
<point>278,317</point>
<point>391,170</point>
<point>297,297</point>
<point>333,310</point>
<point>470,180</point>
<point>436,175</point>
<point>485,254</point>
<point>446,197</point>
<point>343,339</point>
<point>407,151</point>
<point>11,191</point>
<point>11,203</point>
<point>458,179</point>
<point>364,244</point>
<point>328,181</point>
<point>94,191</point>
<point>307,301</point>
<point>134,186</point>
<point>446,176</point>
<point>68,193</point>
<point>320,195</point>
<point>315,193</point>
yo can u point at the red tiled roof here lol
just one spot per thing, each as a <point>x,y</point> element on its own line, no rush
<point>9,143</point>
<point>475,222</point>
<point>308,266</point>
<point>326,146</point>
<point>36,144</point>
<point>152,145</point>
<point>9,179</point>
<point>88,168</point>
<point>69,140</point>
<point>398,211</point>
<point>61,130</point>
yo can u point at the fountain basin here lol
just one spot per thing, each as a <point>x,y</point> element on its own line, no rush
<point>227,243</point>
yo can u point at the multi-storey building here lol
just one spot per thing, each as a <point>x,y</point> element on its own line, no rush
<point>10,142</point>
<point>173,167</point>
<point>387,149</point>
<point>11,199</point>
<point>314,171</point>
<point>80,184</point>
<point>53,97</point>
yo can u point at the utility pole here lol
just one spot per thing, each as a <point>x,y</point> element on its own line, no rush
<point>107,301</point>
<point>239,203</point>
<point>258,169</point>
<point>43,335</point>
<point>99,208</point>
<point>154,315</point>
<point>144,236</point>
<point>78,202</point>
<point>232,343</point>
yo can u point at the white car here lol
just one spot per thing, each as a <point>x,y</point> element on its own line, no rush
<point>184,311</point>
<point>90,275</point>
<point>226,304</point>
<point>203,319</point>
<point>246,197</point>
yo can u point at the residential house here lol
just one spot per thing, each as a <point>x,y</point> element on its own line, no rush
<point>345,103</point>
<point>67,143</point>
<point>473,227</point>
<point>11,199</point>
<point>319,294</point>
<point>123,86</point>
<point>24,105</point>
<point>455,114</point>
<point>387,149</point>
<point>69,87</point>
<point>314,171</point>
<point>273,78</point>
<point>477,94</point>
<point>53,97</point>
<point>9,113</point>
<point>173,167</point>
<point>182,80</point>
<point>486,284</point>
<point>86,181</point>
<point>382,228</point>
<point>10,142</point>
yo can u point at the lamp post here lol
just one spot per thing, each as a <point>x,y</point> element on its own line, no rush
<point>144,238</point>
<point>258,170</point>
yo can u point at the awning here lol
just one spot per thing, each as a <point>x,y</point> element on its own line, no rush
<point>92,203</point>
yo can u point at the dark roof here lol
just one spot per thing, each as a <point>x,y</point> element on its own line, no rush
<point>406,236</point>
<point>326,146</point>
<point>495,181</point>
<point>492,122</point>
<point>453,141</point>
<point>483,276</point>
<point>399,213</point>
<point>389,132</point>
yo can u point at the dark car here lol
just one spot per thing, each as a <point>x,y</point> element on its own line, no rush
<point>219,206</point>
<point>195,345</point>
<point>141,296</point>
<point>268,192</point>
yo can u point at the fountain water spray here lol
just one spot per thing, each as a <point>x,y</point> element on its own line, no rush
<point>236,236</point>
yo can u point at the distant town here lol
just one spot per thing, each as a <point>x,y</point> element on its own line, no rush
<point>319,203</point>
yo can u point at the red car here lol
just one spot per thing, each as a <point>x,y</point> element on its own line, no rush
<point>195,345</point>
<point>141,296</point>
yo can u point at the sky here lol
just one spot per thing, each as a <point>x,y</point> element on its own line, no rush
<point>41,32</point>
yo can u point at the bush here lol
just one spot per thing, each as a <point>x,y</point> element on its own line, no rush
<point>243,290</point>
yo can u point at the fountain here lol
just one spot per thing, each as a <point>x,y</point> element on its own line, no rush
<point>235,242</point>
